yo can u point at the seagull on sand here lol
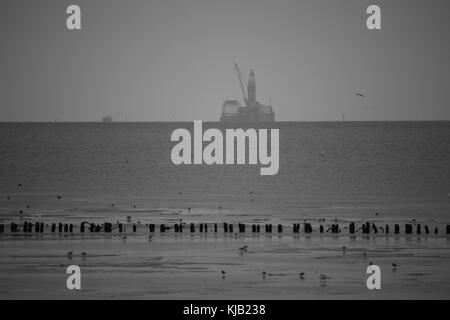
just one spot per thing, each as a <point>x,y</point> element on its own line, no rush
<point>360,95</point>
<point>150,238</point>
<point>69,254</point>
<point>301,275</point>
<point>394,266</point>
<point>343,249</point>
<point>124,238</point>
<point>243,249</point>
<point>323,278</point>
<point>223,273</point>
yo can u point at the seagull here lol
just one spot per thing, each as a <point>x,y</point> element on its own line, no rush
<point>150,238</point>
<point>250,191</point>
<point>370,263</point>
<point>58,197</point>
<point>69,254</point>
<point>394,266</point>
<point>323,278</point>
<point>244,248</point>
<point>8,197</point>
<point>301,275</point>
<point>83,254</point>
<point>124,238</point>
<point>264,274</point>
<point>360,95</point>
<point>223,273</point>
<point>343,249</point>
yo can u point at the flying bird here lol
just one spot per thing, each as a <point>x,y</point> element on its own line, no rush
<point>360,95</point>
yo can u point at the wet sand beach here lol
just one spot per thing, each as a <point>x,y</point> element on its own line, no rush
<point>174,266</point>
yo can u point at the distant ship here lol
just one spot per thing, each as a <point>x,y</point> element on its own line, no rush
<point>252,111</point>
<point>107,119</point>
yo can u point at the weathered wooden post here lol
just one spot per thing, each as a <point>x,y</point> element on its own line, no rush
<point>374,227</point>
<point>351,228</point>
<point>448,229</point>
<point>427,231</point>
<point>60,227</point>
<point>386,230</point>
<point>230,227</point>
<point>215,227</point>
<point>71,228</point>
<point>225,227</point>
<point>151,227</point>
<point>206,228</point>
<point>321,229</point>
<point>396,229</point>
<point>192,227</point>
<point>54,227</point>
<point>280,228</point>
<point>175,227</point>
<point>162,228</point>
<point>408,228</point>
<point>419,231</point>
<point>201,227</point>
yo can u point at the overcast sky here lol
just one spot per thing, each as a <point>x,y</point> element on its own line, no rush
<point>172,60</point>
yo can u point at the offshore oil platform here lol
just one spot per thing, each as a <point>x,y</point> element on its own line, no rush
<point>252,111</point>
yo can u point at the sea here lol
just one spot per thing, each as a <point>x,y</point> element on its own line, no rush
<point>343,170</point>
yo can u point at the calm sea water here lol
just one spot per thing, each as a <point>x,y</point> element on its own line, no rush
<point>324,167</point>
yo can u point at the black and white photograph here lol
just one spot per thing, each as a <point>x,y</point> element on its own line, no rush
<point>226,150</point>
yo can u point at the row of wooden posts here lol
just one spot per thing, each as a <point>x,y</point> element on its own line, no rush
<point>366,228</point>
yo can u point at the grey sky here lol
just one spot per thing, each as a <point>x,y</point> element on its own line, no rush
<point>167,60</point>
